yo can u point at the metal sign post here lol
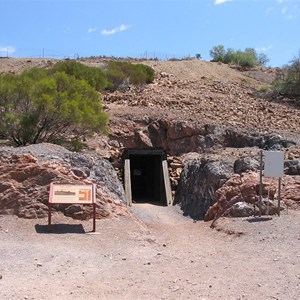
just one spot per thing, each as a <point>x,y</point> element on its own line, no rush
<point>279,194</point>
<point>72,194</point>
<point>273,167</point>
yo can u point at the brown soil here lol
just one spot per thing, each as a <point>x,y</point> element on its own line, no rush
<point>163,255</point>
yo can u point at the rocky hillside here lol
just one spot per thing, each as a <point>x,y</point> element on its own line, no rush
<point>193,91</point>
<point>194,106</point>
<point>205,93</point>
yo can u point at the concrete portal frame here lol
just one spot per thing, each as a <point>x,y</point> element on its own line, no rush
<point>128,156</point>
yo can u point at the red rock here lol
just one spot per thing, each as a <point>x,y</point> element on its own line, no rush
<point>246,189</point>
<point>24,189</point>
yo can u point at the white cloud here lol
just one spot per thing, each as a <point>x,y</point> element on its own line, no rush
<point>92,29</point>
<point>290,17</point>
<point>120,28</point>
<point>264,49</point>
<point>7,50</point>
<point>284,10</point>
<point>221,1</point>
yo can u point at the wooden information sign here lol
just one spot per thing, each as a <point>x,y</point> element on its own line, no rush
<point>72,194</point>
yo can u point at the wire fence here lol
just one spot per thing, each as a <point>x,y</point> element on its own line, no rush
<point>62,54</point>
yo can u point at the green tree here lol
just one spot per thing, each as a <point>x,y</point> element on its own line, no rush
<point>217,53</point>
<point>262,59</point>
<point>229,56</point>
<point>37,106</point>
<point>244,59</point>
<point>247,58</point>
<point>288,82</point>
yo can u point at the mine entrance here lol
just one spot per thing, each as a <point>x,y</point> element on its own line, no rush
<point>146,177</point>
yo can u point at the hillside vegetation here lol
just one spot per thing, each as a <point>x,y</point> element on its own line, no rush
<point>190,91</point>
<point>47,105</point>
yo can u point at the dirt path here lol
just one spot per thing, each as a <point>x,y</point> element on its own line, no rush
<point>161,256</point>
<point>149,214</point>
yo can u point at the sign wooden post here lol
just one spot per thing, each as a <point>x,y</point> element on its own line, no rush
<point>260,183</point>
<point>72,194</point>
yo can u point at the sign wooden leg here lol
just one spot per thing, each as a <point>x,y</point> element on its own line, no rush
<point>94,217</point>
<point>260,183</point>
<point>49,216</point>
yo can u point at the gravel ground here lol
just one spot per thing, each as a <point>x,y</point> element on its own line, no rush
<point>159,255</point>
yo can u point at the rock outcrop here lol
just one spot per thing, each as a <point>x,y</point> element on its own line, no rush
<point>179,137</point>
<point>239,196</point>
<point>26,173</point>
<point>199,181</point>
<point>210,188</point>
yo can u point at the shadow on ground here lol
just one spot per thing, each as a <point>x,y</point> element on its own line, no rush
<point>260,219</point>
<point>60,228</point>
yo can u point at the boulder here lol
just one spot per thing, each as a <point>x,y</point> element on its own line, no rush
<point>242,165</point>
<point>198,183</point>
<point>241,209</point>
<point>26,173</point>
<point>292,167</point>
<point>244,188</point>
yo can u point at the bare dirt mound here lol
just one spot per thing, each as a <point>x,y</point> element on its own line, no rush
<point>191,70</point>
<point>18,65</point>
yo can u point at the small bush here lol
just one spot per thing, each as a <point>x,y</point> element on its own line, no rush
<point>77,145</point>
<point>288,82</point>
<point>246,59</point>
<point>217,53</point>
<point>120,72</point>
<point>263,88</point>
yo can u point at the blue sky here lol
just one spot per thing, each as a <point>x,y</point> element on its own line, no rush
<point>139,28</point>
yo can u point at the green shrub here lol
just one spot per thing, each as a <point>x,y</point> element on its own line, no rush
<point>217,53</point>
<point>93,75</point>
<point>77,145</point>
<point>40,107</point>
<point>47,105</point>
<point>246,59</point>
<point>288,82</point>
<point>263,88</point>
<point>120,72</point>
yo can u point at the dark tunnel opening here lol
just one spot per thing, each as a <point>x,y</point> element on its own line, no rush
<point>146,175</point>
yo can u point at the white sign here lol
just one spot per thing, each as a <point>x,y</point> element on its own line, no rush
<point>274,164</point>
<point>72,193</point>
